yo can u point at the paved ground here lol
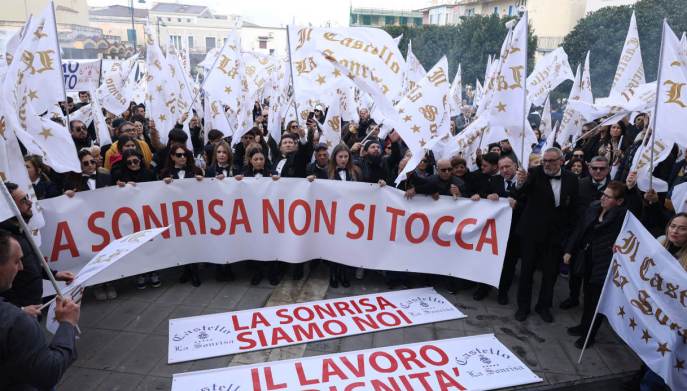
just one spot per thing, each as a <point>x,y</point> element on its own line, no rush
<point>124,341</point>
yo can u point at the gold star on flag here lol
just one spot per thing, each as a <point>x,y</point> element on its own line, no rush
<point>336,73</point>
<point>645,336</point>
<point>158,88</point>
<point>46,133</point>
<point>401,110</point>
<point>679,364</point>
<point>621,312</point>
<point>329,144</point>
<point>227,90</point>
<point>415,128</point>
<point>422,143</point>
<point>407,118</point>
<point>163,117</point>
<point>33,94</point>
<point>321,80</point>
<point>663,348</point>
<point>633,324</point>
<point>39,32</point>
<point>501,107</point>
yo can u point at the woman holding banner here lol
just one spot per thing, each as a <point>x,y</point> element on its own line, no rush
<point>592,243</point>
<point>180,164</point>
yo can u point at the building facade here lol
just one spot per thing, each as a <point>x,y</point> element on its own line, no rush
<point>373,17</point>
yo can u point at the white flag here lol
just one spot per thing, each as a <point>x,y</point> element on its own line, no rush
<point>55,141</point>
<point>571,124</point>
<point>455,94</point>
<point>111,93</point>
<point>331,128</point>
<point>415,71</point>
<point>545,126</point>
<point>548,73</point>
<point>641,307</point>
<point>671,110</point>
<point>630,71</point>
<point>426,114</point>
<point>183,91</point>
<point>161,90</point>
<point>102,131</point>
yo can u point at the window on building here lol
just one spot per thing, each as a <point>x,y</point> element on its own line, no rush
<point>403,21</point>
<point>169,19</point>
<point>209,43</point>
<point>366,20</point>
<point>496,10</point>
<point>188,20</point>
<point>418,21</point>
<point>271,51</point>
<point>262,43</point>
<point>389,20</point>
<point>175,40</point>
<point>190,41</point>
<point>354,18</point>
<point>179,20</point>
<point>510,10</point>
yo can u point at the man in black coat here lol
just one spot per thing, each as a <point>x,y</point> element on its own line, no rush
<point>318,168</point>
<point>27,290</point>
<point>89,179</point>
<point>27,362</point>
<point>443,183</point>
<point>373,165</point>
<point>591,188</point>
<point>551,197</point>
<point>502,185</point>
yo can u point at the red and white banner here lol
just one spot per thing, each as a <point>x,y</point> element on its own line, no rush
<point>480,362</point>
<point>270,327</point>
<point>292,220</point>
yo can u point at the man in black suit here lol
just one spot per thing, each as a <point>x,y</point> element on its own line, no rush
<point>551,200</point>
<point>318,168</point>
<point>591,188</point>
<point>502,185</point>
<point>28,362</point>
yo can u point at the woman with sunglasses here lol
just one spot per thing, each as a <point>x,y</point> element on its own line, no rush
<point>132,170</point>
<point>180,164</point>
<point>90,177</point>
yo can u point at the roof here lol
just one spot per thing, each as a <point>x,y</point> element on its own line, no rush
<point>179,8</point>
<point>118,11</point>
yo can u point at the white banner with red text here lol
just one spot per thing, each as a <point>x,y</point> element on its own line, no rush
<point>291,220</point>
<point>479,362</point>
<point>270,327</point>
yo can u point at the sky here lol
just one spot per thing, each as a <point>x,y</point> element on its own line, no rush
<point>282,12</point>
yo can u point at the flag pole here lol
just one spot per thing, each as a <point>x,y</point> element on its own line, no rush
<point>654,118</point>
<point>27,233</point>
<point>59,61</point>
<point>293,84</point>
<point>525,109</point>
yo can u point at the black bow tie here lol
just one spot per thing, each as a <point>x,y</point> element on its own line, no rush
<point>554,176</point>
<point>92,176</point>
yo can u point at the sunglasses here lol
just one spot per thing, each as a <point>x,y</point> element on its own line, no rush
<point>598,168</point>
<point>88,162</point>
<point>550,160</point>
<point>444,169</point>
<point>132,162</point>
<point>81,129</point>
<point>180,154</point>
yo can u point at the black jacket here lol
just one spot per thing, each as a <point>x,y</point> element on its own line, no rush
<point>27,362</point>
<point>214,170</point>
<point>382,167</point>
<point>314,169</point>
<point>249,172</point>
<point>296,162</point>
<point>78,182</point>
<point>46,188</point>
<point>589,192</point>
<point>27,287</point>
<point>592,242</point>
<point>434,184</point>
<point>125,175</point>
<point>540,216</point>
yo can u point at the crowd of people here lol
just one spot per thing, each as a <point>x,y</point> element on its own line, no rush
<point>568,207</point>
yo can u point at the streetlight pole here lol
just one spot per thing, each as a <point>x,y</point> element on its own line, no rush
<point>133,26</point>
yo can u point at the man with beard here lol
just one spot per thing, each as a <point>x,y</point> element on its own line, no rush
<point>550,197</point>
<point>27,288</point>
<point>376,168</point>
<point>442,183</point>
<point>79,133</point>
<point>27,362</point>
